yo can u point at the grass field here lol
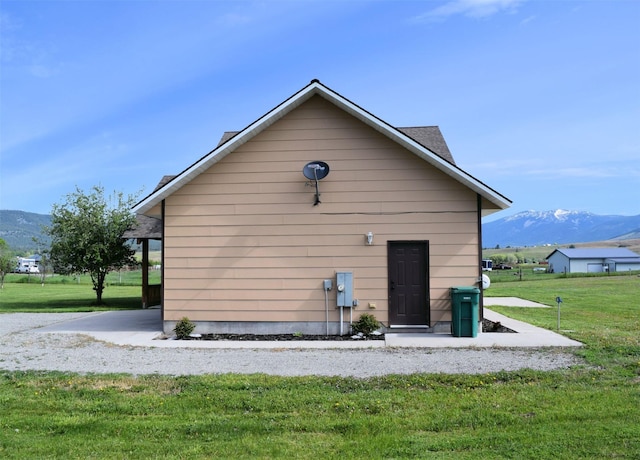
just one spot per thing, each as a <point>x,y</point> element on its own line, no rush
<point>117,278</point>
<point>23,293</point>
<point>56,298</point>
<point>587,412</point>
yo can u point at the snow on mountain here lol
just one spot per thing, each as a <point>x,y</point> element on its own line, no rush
<point>534,228</point>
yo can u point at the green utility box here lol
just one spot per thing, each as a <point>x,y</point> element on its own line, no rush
<point>465,303</point>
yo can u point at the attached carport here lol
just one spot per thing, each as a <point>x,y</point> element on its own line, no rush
<point>147,228</point>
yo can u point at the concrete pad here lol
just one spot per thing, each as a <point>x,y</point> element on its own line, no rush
<point>512,302</point>
<point>111,321</point>
<point>144,328</point>
<point>526,335</point>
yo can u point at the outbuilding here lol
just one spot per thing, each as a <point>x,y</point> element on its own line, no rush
<point>593,260</point>
<point>316,209</point>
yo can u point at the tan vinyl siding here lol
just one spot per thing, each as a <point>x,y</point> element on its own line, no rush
<point>243,241</point>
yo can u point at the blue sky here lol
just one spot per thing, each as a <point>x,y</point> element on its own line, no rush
<point>538,99</point>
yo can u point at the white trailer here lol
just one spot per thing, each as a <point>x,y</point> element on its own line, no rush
<point>27,266</point>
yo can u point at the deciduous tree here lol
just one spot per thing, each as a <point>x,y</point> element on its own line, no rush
<point>86,234</point>
<point>7,261</point>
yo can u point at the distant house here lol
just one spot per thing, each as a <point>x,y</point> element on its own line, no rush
<point>593,260</point>
<point>253,243</point>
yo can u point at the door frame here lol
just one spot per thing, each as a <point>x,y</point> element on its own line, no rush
<point>424,245</point>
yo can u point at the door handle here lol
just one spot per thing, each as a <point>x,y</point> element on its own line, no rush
<point>393,285</point>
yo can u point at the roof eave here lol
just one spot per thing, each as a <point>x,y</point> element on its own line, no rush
<point>421,151</point>
<point>315,87</point>
<point>223,150</point>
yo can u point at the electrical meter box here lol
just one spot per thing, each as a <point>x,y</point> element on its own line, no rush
<point>344,286</point>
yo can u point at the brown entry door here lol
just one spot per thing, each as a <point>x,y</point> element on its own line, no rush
<point>408,283</point>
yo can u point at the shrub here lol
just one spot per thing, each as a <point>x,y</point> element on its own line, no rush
<point>367,323</point>
<point>184,328</point>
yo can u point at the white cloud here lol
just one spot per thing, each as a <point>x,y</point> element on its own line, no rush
<point>574,172</point>
<point>470,8</point>
<point>87,161</point>
<point>527,20</point>
<point>538,167</point>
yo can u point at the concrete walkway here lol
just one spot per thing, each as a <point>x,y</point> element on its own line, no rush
<point>526,336</point>
<point>512,302</point>
<point>144,328</point>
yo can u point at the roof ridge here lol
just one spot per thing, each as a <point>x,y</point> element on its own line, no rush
<point>430,146</point>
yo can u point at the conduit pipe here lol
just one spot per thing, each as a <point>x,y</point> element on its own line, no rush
<point>327,288</point>
<point>326,307</point>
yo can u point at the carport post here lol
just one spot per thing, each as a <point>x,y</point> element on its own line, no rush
<point>145,272</point>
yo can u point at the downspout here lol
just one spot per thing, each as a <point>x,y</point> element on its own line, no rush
<point>162,264</point>
<point>479,264</point>
<point>326,306</point>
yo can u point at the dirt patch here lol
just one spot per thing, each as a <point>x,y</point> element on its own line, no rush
<point>487,326</point>
<point>282,337</point>
<point>490,326</point>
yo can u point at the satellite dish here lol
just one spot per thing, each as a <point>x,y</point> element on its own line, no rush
<point>316,170</point>
<point>486,282</point>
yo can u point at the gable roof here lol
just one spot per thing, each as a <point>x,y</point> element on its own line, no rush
<point>406,139</point>
<point>596,253</point>
<point>431,138</point>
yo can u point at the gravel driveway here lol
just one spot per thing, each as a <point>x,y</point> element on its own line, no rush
<point>22,347</point>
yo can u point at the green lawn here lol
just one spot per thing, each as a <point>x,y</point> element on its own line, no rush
<point>57,298</point>
<point>119,278</point>
<point>603,312</point>
<point>591,411</point>
<point>22,293</point>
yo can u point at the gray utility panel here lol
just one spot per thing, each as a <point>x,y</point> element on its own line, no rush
<point>344,286</point>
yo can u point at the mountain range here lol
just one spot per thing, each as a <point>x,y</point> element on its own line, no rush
<point>23,231</point>
<point>19,228</point>
<point>529,228</point>
<point>536,228</point>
